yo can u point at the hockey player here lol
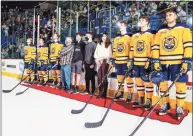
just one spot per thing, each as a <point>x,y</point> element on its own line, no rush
<point>42,62</point>
<point>172,49</point>
<point>55,48</point>
<point>120,57</point>
<point>140,53</point>
<point>29,61</point>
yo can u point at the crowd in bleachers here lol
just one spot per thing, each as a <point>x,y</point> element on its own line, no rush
<point>17,24</point>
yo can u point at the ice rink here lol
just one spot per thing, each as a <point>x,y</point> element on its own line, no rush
<point>37,113</point>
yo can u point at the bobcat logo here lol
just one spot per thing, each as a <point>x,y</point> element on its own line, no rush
<point>140,46</point>
<point>52,50</point>
<point>25,52</point>
<point>120,47</point>
<point>169,43</point>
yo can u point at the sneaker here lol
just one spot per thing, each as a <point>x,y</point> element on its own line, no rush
<point>85,92</point>
<point>129,98</point>
<point>165,108</point>
<point>73,91</point>
<point>40,83</point>
<point>147,104</point>
<point>119,97</point>
<point>77,89</point>
<point>179,112</point>
<point>138,103</point>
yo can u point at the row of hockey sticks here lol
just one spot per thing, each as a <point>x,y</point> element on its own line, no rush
<point>32,83</point>
<point>8,91</point>
<point>98,124</point>
<point>82,109</point>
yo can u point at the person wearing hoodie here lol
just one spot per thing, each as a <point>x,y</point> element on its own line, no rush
<point>77,62</point>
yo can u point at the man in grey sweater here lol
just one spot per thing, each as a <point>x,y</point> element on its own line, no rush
<point>89,62</point>
<point>66,55</point>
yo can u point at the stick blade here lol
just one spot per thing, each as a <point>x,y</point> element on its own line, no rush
<point>19,93</point>
<point>92,125</point>
<point>6,91</point>
<point>76,111</point>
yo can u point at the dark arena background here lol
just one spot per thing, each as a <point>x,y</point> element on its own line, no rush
<point>70,68</point>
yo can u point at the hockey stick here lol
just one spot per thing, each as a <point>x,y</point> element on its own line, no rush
<point>19,93</point>
<point>8,91</point>
<point>141,123</point>
<point>98,124</point>
<point>81,110</point>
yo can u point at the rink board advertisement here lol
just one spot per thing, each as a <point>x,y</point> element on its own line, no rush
<point>14,68</point>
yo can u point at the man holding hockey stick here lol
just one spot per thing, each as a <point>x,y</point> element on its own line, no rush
<point>173,50</point>
<point>121,49</point>
<point>55,47</point>
<point>42,62</point>
<point>29,61</point>
<point>140,54</point>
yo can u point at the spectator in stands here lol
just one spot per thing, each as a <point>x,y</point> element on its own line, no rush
<point>162,6</point>
<point>115,19</point>
<point>181,14</point>
<point>132,21</point>
<point>172,5</point>
<point>77,62</point>
<point>66,55</point>
<point>153,8</point>
<point>102,55</point>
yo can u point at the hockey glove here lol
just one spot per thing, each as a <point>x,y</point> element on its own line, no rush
<point>130,64</point>
<point>156,64</point>
<point>147,64</point>
<point>186,65</point>
<point>112,62</point>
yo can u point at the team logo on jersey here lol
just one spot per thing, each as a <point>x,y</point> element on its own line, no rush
<point>25,52</point>
<point>120,47</point>
<point>140,46</point>
<point>169,43</point>
<point>52,50</point>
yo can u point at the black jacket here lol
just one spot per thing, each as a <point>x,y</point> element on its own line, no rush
<point>79,50</point>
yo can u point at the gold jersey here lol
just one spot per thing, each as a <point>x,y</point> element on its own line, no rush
<point>173,44</point>
<point>121,48</point>
<point>140,47</point>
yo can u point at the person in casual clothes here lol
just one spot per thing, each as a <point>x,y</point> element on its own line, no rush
<point>181,14</point>
<point>102,54</point>
<point>77,62</point>
<point>66,55</point>
<point>89,63</point>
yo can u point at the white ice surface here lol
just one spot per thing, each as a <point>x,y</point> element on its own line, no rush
<point>37,113</point>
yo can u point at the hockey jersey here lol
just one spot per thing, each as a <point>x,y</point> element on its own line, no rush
<point>55,48</point>
<point>173,44</point>
<point>43,54</point>
<point>140,47</point>
<point>121,48</point>
<point>29,53</point>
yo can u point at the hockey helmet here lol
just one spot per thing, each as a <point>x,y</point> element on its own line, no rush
<point>156,77</point>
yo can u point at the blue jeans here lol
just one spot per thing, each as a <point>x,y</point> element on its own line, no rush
<point>66,75</point>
